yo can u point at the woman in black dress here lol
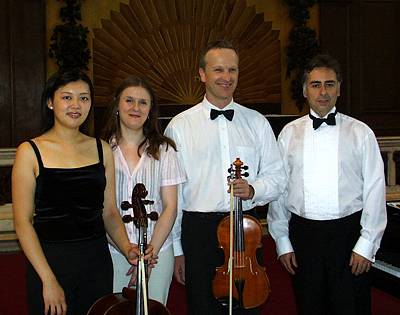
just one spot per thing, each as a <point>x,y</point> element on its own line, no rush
<point>64,204</point>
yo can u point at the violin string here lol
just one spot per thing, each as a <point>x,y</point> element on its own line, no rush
<point>231,251</point>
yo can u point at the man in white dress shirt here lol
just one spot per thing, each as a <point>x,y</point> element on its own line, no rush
<point>329,222</point>
<point>209,137</point>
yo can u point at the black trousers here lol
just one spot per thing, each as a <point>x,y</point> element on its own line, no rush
<point>202,256</point>
<point>323,283</point>
<point>83,269</point>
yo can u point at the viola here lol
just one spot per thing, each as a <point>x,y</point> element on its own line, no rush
<point>133,301</point>
<point>240,282</point>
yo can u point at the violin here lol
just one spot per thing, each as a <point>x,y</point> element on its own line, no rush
<point>240,283</point>
<point>133,301</point>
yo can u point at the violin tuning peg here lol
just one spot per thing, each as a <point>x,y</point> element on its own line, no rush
<point>245,167</point>
<point>125,205</point>
<point>127,218</point>
<point>245,174</point>
<point>229,169</point>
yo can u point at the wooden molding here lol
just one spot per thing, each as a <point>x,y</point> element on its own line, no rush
<point>7,156</point>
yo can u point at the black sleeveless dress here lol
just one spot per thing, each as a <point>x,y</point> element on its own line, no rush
<point>68,221</point>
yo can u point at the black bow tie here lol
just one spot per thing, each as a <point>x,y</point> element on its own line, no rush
<point>227,113</point>
<point>330,120</point>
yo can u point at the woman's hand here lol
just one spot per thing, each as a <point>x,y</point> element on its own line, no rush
<point>133,272</point>
<point>179,269</point>
<point>54,298</point>
<point>149,255</point>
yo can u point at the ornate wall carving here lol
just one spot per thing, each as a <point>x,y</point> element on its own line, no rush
<point>161,39</point>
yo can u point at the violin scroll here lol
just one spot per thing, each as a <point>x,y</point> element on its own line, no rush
<point>235,171</point>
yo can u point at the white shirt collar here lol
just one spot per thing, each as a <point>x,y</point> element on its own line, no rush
<point>316,115</point>
<point>209,105</point>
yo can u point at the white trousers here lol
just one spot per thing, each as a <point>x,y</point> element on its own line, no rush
<point>160,276</point>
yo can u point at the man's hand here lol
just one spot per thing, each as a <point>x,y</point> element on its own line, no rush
<point>359,264</point>
<point>179,269</point>
<point>289,262</point>
<point>241,189</point>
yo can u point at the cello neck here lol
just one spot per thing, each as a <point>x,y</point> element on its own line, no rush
<point>141,277</point>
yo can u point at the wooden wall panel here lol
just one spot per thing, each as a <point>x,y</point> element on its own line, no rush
<point>5,86</point>
<point>364,36</point>
<point>337,16</point>
<point>380,52</point>
<point>29,56</point>
<point>22,75</point>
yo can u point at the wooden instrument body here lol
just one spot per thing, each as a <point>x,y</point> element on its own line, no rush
<point>240,280</point>
<point>257,286</point>
<point>124,304</point>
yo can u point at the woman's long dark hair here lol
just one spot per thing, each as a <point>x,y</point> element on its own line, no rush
<point>56,81</point>
<point>151,128</point>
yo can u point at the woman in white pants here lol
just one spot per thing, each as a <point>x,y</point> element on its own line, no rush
<point>142,154</point>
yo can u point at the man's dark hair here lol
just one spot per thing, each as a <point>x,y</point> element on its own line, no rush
<point>322,61</point>
<point>219,44</point>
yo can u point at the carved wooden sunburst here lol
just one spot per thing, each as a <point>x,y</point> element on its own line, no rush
<point>161,40</point>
